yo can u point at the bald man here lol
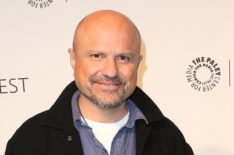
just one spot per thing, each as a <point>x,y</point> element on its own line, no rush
<point>102,112</point>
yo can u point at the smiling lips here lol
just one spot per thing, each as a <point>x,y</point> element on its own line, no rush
<point>109,83</point>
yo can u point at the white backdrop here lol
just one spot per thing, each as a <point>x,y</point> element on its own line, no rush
<point>34,62</point>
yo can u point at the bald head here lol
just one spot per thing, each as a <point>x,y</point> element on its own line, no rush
<point>106,20</point>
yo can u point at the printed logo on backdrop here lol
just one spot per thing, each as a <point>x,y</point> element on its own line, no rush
<point>13,85</point>
<point>203,74</point>
<point>40,3</point>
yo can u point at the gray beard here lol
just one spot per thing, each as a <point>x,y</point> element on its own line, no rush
<point>106,104</point>
<point>101,103</point>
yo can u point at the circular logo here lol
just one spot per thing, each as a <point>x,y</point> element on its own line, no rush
<point>203,74</point>
<point>40,3</point>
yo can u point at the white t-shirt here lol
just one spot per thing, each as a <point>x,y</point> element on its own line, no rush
<point>105,132</point>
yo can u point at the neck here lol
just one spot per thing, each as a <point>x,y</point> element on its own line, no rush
<point>92,112</point>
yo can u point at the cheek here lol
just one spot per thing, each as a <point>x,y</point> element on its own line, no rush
<point>84,70</point>
<point>130,77</point>
<point>129,74</point>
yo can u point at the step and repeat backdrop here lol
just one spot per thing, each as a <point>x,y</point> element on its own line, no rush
<point>188,66</point>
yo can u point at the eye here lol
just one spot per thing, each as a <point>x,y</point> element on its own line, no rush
<point>96,56</point>
<point>122,59</point>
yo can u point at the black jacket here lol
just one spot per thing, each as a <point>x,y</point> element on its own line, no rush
<point>53,133</point>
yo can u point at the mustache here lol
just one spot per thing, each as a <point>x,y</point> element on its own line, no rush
<point>99,79</point>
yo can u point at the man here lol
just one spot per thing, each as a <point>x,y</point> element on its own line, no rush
<point>102,112</point>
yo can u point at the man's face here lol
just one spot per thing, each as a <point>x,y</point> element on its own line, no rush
<point>105,65</point>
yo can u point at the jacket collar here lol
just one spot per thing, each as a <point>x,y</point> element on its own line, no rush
<point>60,114</point>
<point>146,105</point>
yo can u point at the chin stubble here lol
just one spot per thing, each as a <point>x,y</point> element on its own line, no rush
<point>101,103</point>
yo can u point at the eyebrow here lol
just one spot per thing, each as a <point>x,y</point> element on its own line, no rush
<point>95,51</point>
<point>102,52</point>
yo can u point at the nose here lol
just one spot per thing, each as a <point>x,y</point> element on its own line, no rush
<point>110,68</point>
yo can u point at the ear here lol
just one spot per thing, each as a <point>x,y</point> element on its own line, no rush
<point>72,57</point>
<point>139,60</point>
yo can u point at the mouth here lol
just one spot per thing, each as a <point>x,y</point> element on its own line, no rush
<point>109,84</point>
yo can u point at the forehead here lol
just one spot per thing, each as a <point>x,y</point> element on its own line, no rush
<point>113,31</point>
<point>107,40</point>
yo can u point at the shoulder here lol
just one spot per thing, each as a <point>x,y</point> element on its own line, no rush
<point>27,135</point>
<point>169,135</point>
<point>165,126</point>
<point>30,126</point>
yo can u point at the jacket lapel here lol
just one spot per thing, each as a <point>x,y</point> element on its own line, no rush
<point>142,132</point>
<point>59,117</point>
<point>152,114</point>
